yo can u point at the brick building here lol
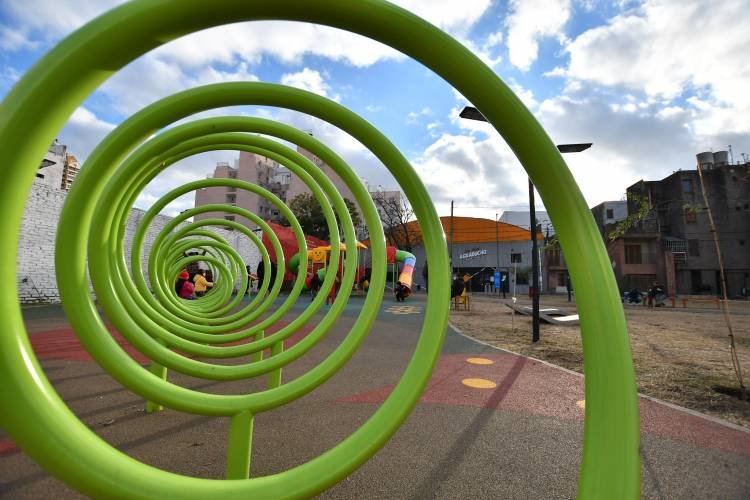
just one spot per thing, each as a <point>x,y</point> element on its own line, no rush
<point>677,223</point>
<point>266,173</point>
<point>672,242</point>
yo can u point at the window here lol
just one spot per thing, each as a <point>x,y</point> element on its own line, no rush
<point>633,254</point>
<point>232,174</point>
<point>694,248</point>
<point>696,281</point>
<point>610,213</point>
<point>515,258</point>
<point>690,216</point>
<point>231,198</point>
<point>553,257</point>
<point>687,186</point>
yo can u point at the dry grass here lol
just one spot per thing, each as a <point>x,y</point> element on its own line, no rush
<point>680,355</point>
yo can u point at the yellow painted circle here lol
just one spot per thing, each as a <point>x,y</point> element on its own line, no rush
<point>480,361</point>
<point>479,383</point>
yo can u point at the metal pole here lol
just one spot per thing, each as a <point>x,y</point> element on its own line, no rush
<point>497,251</point>
<point>452,237</point>
<point>535,267</point>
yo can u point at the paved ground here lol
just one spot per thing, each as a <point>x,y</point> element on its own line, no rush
<point>518,438</point>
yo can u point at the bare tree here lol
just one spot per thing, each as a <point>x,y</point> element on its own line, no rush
<point>399,224</point>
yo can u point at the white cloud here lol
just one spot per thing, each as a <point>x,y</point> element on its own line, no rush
<point>12,40</point>
<point>668,48</point>
<point>670,112</point>
<point>473,172</point>
<point>51,19</point>
<point>288,41</point>
<point>530,20</point>
<point>629,143</point>
<point>83,131</point>
<point>310,80</point>
<point>447,14</point>
<point>151,78</point>
<point>494,39</point>
<point>414,116</point>
<point>526,95</point>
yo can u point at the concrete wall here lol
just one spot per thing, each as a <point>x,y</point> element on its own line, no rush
<point>601,212</point>
<point>51,172</point>
<point>35,275</point>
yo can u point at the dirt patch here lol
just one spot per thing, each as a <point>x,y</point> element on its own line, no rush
<point>680,355</point>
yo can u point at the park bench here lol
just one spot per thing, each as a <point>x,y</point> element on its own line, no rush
<point>701,298</point>
<point>672,300</point>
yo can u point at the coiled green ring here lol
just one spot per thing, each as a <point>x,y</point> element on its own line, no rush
<point>33,413</point>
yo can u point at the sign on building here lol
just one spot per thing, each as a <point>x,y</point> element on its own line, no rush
<point>473,253</point>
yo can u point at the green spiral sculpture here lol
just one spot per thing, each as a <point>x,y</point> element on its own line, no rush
<point>145,309</point>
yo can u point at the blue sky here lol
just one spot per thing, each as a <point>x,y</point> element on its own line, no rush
<point>649,83</point>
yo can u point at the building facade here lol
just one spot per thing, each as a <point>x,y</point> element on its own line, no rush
<point>263,172</point>
<point>50,172</point>
<point>671,241</point>
<point>478,247</point>
<point>70,170</point>
<point>58,169</point>
<point>678,219</point>
<point>608,213</point>
<point>297,187</point>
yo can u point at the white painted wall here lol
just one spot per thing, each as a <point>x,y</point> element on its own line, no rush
<point>35,275</point>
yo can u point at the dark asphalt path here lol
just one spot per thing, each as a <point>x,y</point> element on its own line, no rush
<point>520,438</point>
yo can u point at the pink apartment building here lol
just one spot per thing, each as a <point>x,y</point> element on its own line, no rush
<point>263,172</point>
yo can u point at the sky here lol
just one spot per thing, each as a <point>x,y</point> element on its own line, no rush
<point>649,83</point>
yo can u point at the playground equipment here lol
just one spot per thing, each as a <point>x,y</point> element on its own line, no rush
<point>407,261</point>
<point>318,258</point>
<point>91,237</point>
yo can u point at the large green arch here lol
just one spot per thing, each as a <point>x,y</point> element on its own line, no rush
<point>59,82</point>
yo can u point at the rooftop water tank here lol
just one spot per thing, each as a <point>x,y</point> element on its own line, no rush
<point>721,158</point>
<point>705,159</point>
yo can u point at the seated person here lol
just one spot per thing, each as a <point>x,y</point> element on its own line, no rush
<point>184,288</point>
<point>201,283</point>
<point>458,287</point>
<point>656,295</point>
<point>634,296</point>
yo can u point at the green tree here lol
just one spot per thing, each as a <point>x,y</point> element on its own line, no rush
<point>309,213</point>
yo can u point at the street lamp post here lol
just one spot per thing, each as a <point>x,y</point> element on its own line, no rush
<point>471,113</point>
<point>496,274</point>
<point>534,267</point>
